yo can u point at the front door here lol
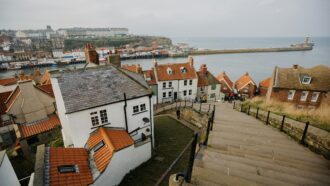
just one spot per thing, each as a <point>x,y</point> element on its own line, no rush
<point>175,95</point>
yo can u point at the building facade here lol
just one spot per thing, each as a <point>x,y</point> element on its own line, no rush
<point>208,86</point>
<point>245,86</point>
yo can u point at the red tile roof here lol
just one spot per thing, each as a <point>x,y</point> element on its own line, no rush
<point>150,77</point>
<point>47,88</point>
<point>113,140</point>
<point>243,81</point>
<point>11,99</point>
<point>205,78</point>
<point>3,97</point>
<point>162,75</point>
<point>69,156</point>
<point>45,78</point>
<point>133,68</point>
<point>8,81</point>
<point>28,130</point>
<point>265,83</point>
<point>224,78</point>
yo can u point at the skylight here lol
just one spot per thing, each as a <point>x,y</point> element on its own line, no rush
<point>67,168</point>
<point>306,79</point>
<point>98,146</point>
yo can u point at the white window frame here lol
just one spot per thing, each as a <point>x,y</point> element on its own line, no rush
<point>169,94</point>
<point>309,79</point>
<point>303,98</point>
<point>170,84</point>
<point>164,84</point>
<point>185,93</point>
<point>164,94</point>
<point>104,116</point>
<point>293,93</point>
<point>317,96</point>
<point>136,109</point>
<point>190,82</point>
<point>190,92</point>
<point>185,82</point>
<point>143,107</point>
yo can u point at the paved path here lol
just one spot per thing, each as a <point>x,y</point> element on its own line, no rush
<point>244,151</point>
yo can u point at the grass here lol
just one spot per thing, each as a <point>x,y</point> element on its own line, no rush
<point>171,138</point>
<point>319,117</point>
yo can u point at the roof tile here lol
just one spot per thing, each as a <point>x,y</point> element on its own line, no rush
<point>161,71</point>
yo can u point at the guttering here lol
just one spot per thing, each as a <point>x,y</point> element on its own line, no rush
<point>125,107</point>
<point>151,106</point>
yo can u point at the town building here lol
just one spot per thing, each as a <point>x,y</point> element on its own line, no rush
<point>245,86</point>
<point>227,85</point>
<point>176,81</point>
<point>263,86</point>
<point>7,173</point>
<point>303,87</point>
<point>104,96</point>
<point>208,86</point>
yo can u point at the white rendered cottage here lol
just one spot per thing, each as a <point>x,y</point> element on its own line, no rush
<point>176,81</point>
<point>208,86</point>
<point>102,97</point>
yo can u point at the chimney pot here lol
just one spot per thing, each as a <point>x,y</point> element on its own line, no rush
<point>295,66</point>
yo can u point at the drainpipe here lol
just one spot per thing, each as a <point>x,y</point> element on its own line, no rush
<point>125,112</point>
<point>151,129</point>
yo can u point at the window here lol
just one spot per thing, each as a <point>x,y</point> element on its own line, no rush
<point>143,107</point>
<point>315,96</point>
<point>291,94</point>
<point>169,94</point>
<point>104,116</point>
<point>164,94</point>
<point>67,168</point>
<point>184,93</point>
<point>185,82</point>
<point>135,109</point>
<point>304,95</point>
<point>190,82</point>
<point>212,95</point>
<point>170,84</point>
<point>190,92</point>
<point>164,85</point>
<point>98,146</point>
<point>183,69</point>
<point>213,87</point>
<point>95,120</point>
<point>169,71</point>
<point>306,79</point>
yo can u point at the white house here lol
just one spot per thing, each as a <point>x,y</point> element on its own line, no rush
<point>176,81</point>
<point>208,86</point>
<point>7,173</point>
<point>102,96</point>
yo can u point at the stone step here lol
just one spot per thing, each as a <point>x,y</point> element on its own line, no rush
<point>234,154</point>
<point>243,175</point>
<point>267,151</point>
<point>204,176</point>
<point>266,146</point>
<point>267,172</point>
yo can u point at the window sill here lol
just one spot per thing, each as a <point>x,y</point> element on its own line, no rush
<point>100,125</point>
<point>136,113</point>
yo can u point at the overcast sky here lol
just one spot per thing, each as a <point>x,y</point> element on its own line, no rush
<point>221,18</point>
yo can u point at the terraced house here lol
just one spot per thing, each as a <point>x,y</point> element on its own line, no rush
<point>176,81</point>
<point>208,86</point>
<point>304,87</point>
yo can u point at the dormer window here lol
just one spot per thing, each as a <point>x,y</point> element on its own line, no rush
<point>183,70</point>
<point>306,80</point>
<point>169,71</point>
<point>98,146</point>
<point>67,168</point>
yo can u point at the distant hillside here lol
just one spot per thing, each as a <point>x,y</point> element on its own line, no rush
<point>117,41</point>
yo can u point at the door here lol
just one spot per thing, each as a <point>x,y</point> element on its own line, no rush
<point>175,95</point>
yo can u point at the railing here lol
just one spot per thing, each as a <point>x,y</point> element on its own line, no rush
<point>196,106</point>
<point>283,120</point>
<point>193,142</point>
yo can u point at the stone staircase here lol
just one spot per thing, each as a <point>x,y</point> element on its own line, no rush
<point>244,151</point>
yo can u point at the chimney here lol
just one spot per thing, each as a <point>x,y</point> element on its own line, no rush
<point>139,69</point>
<point>191,61</point>
<point>114,59</point>
<point>295,66</point>
<point>203,69</point>
<point>155,63</point>
<point>32,107</point>
<point>91,55</point>
<point>246,73</point>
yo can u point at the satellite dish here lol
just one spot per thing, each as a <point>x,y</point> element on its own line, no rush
<point>146,120</point>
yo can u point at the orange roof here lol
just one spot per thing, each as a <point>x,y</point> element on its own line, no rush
<point>38,127</point>
<point>265,82</point>
<point>113,140</point>
<point>150,77</point>
<point>3,97</point>
<point>47,88</point>
<point>133,68</point>
<point>8,81</point>
<point>69,156</point>
<point>224,78</point>
<point>205,78</point>
<point>162,74</point>
<point>243,81</point>
<point>45,78</point>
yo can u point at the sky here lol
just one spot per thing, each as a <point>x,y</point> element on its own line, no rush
<point>175,18</point>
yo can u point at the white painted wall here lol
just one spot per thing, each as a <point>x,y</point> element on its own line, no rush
<point>208,91</point>
<point>122,162</point>
<point>7,173</point>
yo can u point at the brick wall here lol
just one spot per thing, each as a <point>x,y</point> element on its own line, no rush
<point>282,95</point>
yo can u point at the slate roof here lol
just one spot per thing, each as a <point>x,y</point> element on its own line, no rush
<point>290,78</point>
<point>114,140</point>
<point>99,86</point>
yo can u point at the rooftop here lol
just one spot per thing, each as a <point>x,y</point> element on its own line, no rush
<point>99,86</point>
<point>205,78</point>
<point>223,77</point>
<point>265,83</point>
<point>243,81</point>
<point>176,71</point>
